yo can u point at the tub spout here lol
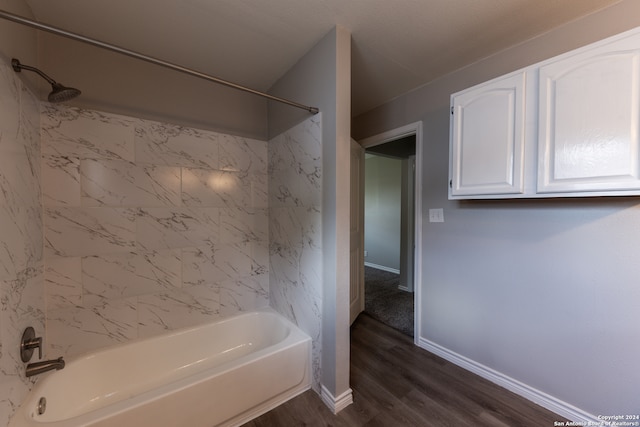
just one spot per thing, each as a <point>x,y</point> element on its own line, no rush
<point>44,366</point>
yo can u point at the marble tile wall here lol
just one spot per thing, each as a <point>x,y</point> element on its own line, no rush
<point>148,227</point>
<point>21,257</point>
<point>295,229</point>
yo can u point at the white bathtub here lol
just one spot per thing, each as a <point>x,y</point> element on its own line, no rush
<point>224,373</point>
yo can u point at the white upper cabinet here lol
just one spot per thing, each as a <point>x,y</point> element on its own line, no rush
<point>588,122</point>
<point>566,127</point>
<point>487,128</point>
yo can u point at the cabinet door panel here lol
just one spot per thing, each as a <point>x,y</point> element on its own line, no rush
<point>589,112</point>
<point>488,138</point>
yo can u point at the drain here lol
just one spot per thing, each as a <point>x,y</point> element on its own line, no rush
<point>42,405</point>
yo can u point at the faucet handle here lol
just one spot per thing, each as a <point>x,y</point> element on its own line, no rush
<point>28,343</point>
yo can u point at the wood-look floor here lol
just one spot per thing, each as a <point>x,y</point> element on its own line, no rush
<point>396,383</point>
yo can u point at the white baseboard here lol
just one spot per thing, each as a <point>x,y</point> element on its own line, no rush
<point>563,409</point>
<point>336,404</point>
<point>382,267</point>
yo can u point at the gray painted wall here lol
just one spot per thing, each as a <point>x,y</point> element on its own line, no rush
<point>382,211</point>
<point>542,291</point>
<point>18,41</point>
<point>322,78</point>
<point>132,87</point>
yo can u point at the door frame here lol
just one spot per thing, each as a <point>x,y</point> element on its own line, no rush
<point>356,236</point>
<point>382,138</point>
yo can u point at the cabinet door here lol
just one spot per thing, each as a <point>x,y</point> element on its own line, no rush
<point>487,139</point>
<point>588,120</point>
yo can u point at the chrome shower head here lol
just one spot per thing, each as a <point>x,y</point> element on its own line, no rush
<point>59,93</point>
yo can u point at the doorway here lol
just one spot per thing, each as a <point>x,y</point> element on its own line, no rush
<point>402,147</point>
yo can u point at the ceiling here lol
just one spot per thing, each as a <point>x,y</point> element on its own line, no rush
<point>397,46</point>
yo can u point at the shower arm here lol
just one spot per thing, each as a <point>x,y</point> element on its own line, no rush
<point>74,36</point>
<point>18,66</point>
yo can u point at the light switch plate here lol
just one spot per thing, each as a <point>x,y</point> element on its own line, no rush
<point>436,215</point>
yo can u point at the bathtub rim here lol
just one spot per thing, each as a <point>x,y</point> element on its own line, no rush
<point>182,330</point>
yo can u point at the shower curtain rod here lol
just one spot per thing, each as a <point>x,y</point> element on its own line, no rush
<point>64,33</point>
